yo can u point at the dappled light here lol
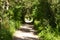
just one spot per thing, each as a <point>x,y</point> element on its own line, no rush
<point>29,19</point>
<point>25,38</point>
<point>26,32</point>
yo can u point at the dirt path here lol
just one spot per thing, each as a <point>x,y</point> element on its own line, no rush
<point>26,32</point>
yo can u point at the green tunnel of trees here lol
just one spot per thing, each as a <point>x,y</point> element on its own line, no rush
<point>45,14</point>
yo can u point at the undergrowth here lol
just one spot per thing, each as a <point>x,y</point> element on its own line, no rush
<point>46,32</point>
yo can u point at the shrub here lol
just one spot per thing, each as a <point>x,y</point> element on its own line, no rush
<point>5,34</point>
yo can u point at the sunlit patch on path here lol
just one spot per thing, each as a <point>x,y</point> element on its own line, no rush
<point>26,32</point>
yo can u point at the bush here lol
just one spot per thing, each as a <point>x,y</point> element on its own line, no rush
<point>12,26</point>
<point>49,34</point>
<point>5,34</point>
<point>17,24</point>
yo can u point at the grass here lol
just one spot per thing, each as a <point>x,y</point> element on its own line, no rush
<point>46,32</point>
<point>7,33</point>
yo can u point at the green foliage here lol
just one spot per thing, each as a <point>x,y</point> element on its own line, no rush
<point>4,34</point>
<point>45,14</point>
<point>12,26</point>
<point>49,34</point>
<point>17,24</point>
<point>48,26</point>
<point>11,19</point>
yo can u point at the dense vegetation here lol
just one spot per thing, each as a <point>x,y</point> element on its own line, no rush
<point>45,14</point>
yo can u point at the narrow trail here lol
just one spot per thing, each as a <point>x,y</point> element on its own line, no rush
<point>26,32</point>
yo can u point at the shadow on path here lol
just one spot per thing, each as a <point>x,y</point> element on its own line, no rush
<point>26,38</point>
<point>26,32</point>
